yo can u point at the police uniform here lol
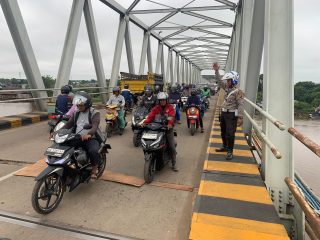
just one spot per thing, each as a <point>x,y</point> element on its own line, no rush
<point>231,110</point>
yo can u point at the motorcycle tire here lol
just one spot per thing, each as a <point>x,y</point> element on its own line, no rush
<point>44,187</point>
<point>192,129</point>
<point>149,172</point>
<point>101,165</point>
<point>136,139</point>
<point>108,130</point>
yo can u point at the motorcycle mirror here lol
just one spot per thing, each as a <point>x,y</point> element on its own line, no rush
<point>87,126</point>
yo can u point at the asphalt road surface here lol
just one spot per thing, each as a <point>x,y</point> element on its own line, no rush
<point>147,212</point>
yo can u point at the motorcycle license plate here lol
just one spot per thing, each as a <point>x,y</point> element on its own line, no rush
<point>149,136</point>
<point>54,152</point>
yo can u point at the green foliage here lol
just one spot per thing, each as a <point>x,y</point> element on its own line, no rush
<point>302,107</point>
<point>48,82</point>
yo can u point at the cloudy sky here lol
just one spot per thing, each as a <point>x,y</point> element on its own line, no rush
<point>46,22</point>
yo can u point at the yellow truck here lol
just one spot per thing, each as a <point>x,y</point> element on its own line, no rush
<point>138,82</point>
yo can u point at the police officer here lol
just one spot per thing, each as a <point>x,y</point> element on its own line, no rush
<point>231,109</point>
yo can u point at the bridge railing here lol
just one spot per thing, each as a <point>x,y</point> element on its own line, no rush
<point>46,90</point>
<point>304,196</point>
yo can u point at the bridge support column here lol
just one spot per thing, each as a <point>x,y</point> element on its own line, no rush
<point>159,56</point>
<point>176,70</point>
<point>182,70</point>
<point>252,54</point>
<point>144,52</point>
<point>149,55</point>
<point>169,74</point>
<point>118,52</point>
<point>95,49</point>
<point>129,48</point>
<point>278,101</point>
<point>22,43</point>
<point>69,44</point>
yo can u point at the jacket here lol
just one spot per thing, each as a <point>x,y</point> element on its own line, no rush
<point>158,112</point>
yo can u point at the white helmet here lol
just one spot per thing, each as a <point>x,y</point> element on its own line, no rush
<point>162,96</point>
<point>236,75</point>
<point>228,75</point>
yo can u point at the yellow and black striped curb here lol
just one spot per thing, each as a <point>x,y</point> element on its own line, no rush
<point>22,119</point>
<point>232,200</point>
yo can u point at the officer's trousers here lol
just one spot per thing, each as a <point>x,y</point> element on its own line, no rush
<point>228,124</point>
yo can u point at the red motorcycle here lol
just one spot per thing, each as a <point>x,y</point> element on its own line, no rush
<point>193,116</point>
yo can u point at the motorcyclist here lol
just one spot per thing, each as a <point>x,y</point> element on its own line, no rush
<point>126,93</point>
<point>156,90</point>
<point>206,93</point>
<point>148,100</point>
<point>164,109</point>
<point>194,99</point>
<point>64,101</point>
<point>175,98</point>
<point>117,99</point>
<point>86,114</point>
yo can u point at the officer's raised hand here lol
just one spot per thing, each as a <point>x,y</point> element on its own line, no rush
<point>216,66</point>
<point>239,121</point>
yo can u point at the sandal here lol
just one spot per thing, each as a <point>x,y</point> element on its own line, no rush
<point>93,176</point>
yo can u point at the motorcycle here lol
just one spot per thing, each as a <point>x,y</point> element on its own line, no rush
<point>111,117</point>
<point>137,119</point>
<point>184,103</point>
<point>193,115</point>
<point>205,101</point>
<point>57,121</point>
<point>155,148</point>
<point>68,166</point>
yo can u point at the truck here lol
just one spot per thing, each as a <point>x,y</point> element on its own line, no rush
<point>138,82</point>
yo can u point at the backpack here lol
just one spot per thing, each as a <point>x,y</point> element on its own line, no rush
<point>99,135</point>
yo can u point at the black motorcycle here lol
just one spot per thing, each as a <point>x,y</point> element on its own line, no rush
<point>68,166</point>
<point>138,117</point>
<point>155,148</point>
<point>57,121</point>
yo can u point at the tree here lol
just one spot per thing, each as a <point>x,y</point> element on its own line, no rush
<point>49,82</point>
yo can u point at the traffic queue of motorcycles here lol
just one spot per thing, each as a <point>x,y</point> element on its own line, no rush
<point>69,164</point>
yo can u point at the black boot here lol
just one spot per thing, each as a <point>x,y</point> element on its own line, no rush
<point>229,155</point>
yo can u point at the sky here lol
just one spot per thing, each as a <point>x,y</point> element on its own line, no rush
<point>46,22</point>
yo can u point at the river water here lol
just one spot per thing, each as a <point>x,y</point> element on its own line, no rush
<point>307,164</point>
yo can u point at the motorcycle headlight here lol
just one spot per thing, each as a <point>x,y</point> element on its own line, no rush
<point>59,126</point>
<point>60,139</point>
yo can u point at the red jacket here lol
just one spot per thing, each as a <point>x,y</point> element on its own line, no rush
<point>168,111</point>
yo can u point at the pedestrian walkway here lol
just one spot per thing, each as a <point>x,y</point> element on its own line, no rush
<point>232,201</point>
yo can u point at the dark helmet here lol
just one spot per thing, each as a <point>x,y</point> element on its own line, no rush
<point>193,92</point>
<point>157,88</point>
<point>82,98</point>
<point>148,90</point>
<point>65,89</point>
<point>173,89</point>
<point>126,86</point>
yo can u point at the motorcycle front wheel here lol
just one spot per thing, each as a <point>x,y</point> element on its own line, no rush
<point>47,194</point>
<point>136,139</point>
<point>149,169</point>
<point>108,130</point>
<point>102,164</point>
<point>192,129</point>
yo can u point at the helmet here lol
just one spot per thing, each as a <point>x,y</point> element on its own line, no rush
<point>157,88</point>
<point>193,92</point>
<point>148,90</point>
<point>234,76</point>
<point>126,86</point>
<point>162,96</point>
<point>116,89</point>
<point>70,87</point>
<point>65,89</point>
<point>173,89</point>
<point>82,98</point>
<point>205,87</point>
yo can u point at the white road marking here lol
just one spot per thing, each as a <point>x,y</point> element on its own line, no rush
<point>9,175</point>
